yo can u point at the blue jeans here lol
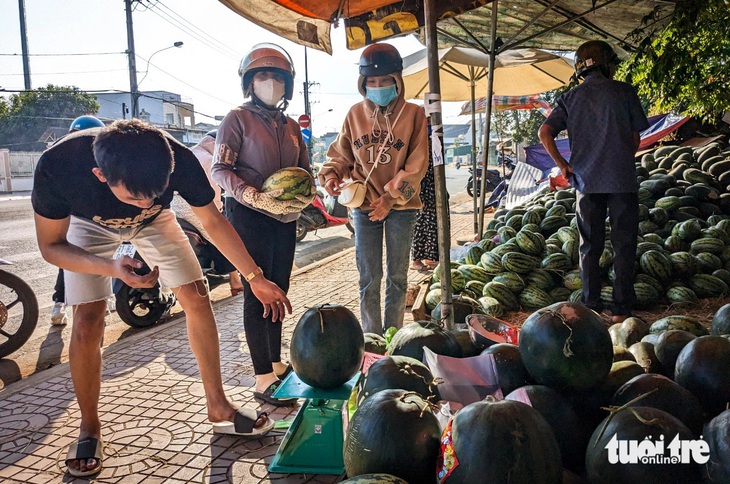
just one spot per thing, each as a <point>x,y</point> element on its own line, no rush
<point>398,230</point>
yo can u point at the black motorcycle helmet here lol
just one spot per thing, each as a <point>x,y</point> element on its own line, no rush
<point>594,54</point>
<point>380,60</point>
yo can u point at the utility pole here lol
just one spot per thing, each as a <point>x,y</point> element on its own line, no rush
<point>24,45</point>
<point>134,91</point>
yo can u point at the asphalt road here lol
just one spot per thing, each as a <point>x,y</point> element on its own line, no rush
<point>48,346</point>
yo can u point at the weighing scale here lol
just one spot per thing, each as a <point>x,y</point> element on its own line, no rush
<point>314,442</point>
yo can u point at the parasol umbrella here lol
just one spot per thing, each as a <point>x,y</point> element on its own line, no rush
<point>517,72</point>
<point>464,70</point>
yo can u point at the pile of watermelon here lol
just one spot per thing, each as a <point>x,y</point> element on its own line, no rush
<point>567,389</point>
<point>528,256</point>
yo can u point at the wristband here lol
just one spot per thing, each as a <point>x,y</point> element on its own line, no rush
<point>256,272</point>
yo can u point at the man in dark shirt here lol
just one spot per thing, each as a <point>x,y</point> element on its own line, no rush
<point>603,118</point>
<point>100,187</point>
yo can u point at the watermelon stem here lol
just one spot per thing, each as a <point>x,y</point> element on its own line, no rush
<point>615,410</point>
<point>567,352</point>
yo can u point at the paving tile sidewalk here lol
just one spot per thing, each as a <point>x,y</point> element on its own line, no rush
<point>152,406</point>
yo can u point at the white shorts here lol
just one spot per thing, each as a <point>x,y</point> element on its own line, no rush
<point>161,243</point>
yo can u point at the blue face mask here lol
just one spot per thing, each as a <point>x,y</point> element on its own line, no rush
<point>382,96</point>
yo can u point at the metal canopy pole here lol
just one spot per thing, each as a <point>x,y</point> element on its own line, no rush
<point>472,85</point>
<point>442,210</point>
<point>487,130</point>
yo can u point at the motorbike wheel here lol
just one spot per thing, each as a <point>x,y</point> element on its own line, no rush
<point>18,313</point>
<point>469,189</point>
<point>301,232</point>
<point>140,307</point>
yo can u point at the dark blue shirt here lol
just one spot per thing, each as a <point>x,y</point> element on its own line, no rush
<point>601,116</point>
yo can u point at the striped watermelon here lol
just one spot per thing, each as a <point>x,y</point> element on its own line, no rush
<point>557,262</point>
<point>572,280</point>
<point>433,297</point>
<point>705,285</point>
<point>473,255</point>
<point>656,264</point>
<point>564,234</point>
<point>294,181</point>
<point>553,249</point>
<point>540,278</point>
<point>649,280</point>
<point>491,306</point>
<point>512,280</point>
<point>674,244</point>
<point>476,287</point>
<point>708,263</point>
<point>458,281</point>
<point>519,262</point>
<point>491,263</point>
<point>551,224</point>
<point>707,244</point>
<point>474,273</point>
<point>646,294</point>
<point>682,296</point>
<point>559,294</point>
<point>487,243</point>
<point>502,249</point>
<point>506,233</point>
<point>684,264</point>
<point>571,249</point>
<point>576,296</point>
<point>531,243</point>
<point>501,293</point>
<point>531,217</point>
<point>533,298</point>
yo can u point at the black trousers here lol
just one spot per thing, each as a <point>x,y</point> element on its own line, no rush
<point>271,244</point>
<point>623,212</point>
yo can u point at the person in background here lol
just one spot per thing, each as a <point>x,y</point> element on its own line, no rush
<point>254,141</point>
<point>425,250</point>
<point>58,312</point>
<point>100,187</point>
<point>383,140</point>
<point>604,118</point>
<point>204,153</point>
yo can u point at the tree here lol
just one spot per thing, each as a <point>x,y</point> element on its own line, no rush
<point>685,67</point>
<point>24,117</point>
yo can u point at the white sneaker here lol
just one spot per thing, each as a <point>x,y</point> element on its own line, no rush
<point>58,314</point>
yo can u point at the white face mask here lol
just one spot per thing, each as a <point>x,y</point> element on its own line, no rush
<point>270,91</point>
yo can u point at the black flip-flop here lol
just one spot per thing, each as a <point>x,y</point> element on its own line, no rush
<point>267,396</point>
<point>85,449</point>
<point>288,370</point>
<point>244,424</point>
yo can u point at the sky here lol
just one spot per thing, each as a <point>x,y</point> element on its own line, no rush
<point>204,70</point>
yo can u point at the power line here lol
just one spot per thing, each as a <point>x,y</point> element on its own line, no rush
<point>177,24</point>
<point>203,32</point>
<point>67,73</point>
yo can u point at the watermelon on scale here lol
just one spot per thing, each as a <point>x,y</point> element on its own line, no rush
<point>293,180</point>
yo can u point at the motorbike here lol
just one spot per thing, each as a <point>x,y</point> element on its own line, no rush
<point>18,311</point>
<point>323,212</point>
<point>143,307</point>
<point>494,177</point>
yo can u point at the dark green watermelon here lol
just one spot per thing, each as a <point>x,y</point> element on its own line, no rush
<point>703,368</point>
<point>511,371</point>
<point>468,348</point>
<point>462,306</point>
<point>717,435</point>
<point>504,441</point>
<point>668,346</point>
<point>398,372</point>
<point>393,432</point>
<point>559,414</point>
<point>375,343</point>
<point>412,337</point>
<point>664,394</point>
<point>566,345</point>
<point>721,321</point>
<point>638,424</point>
<point>327,346</point>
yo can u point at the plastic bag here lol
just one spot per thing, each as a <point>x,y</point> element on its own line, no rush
<point>465,380</point>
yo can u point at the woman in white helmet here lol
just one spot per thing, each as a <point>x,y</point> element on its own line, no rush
<point>255,140</point>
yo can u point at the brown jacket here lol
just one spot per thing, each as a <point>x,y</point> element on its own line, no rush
<point>404,158</point>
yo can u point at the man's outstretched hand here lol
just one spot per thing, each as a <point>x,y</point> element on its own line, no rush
<point>124,268</point>
<point>272,297</point>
